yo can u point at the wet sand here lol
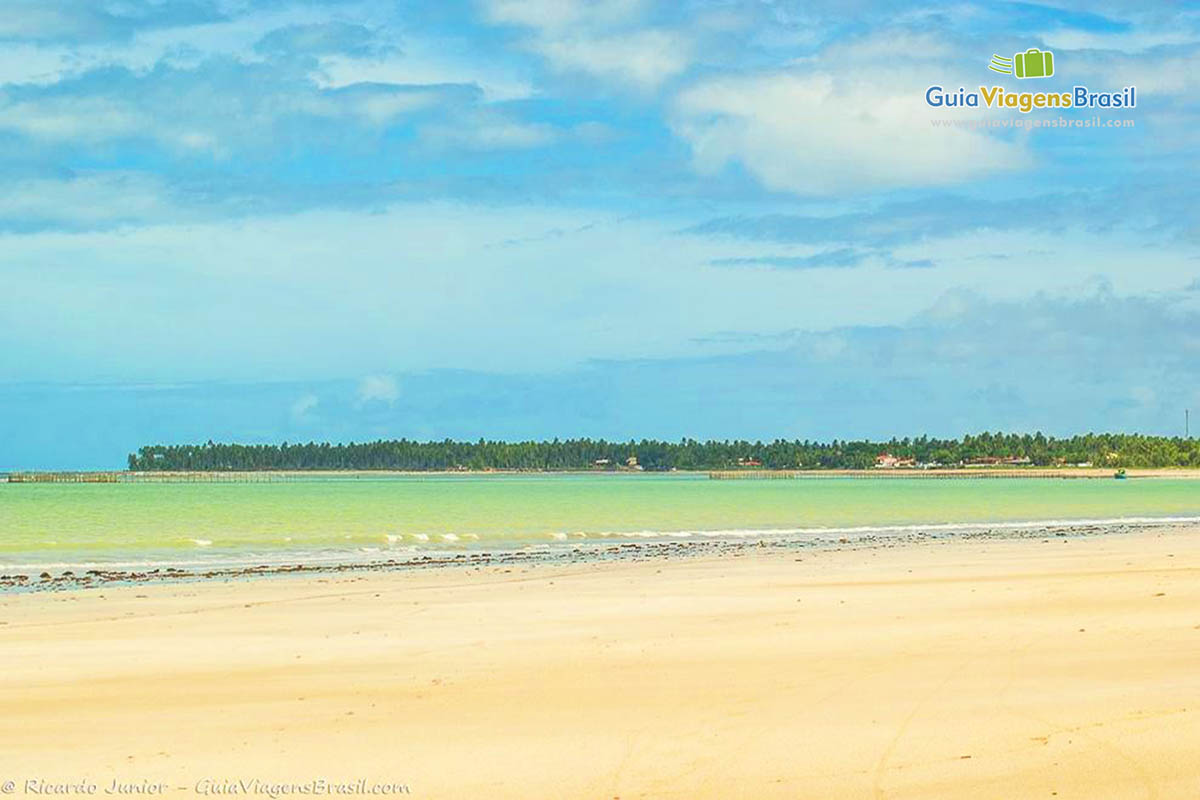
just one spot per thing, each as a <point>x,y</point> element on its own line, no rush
<point>1028,667</point>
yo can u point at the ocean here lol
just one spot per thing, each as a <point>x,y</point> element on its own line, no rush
<point>335,520</point>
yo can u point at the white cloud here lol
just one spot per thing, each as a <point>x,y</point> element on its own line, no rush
<point>606,40</point>
<point>563,14</point>
<point>254,301</point>
<point>496,82</point>
<point>72,118</point>
<point>214,111</point>
<point>37,20</point>
<point>852,119</point>
<point>444,286</point>
<point>381,107</point>
<point>644,59</point>
<point>378,389</point>
<point>421,62</point>
<point>49,62</point>
<point>490,134</point>
<point>1133,41</point>
<point>86,201</point>
<point>29,63</point>
<point>302,408</point>
<point>1171,71</point>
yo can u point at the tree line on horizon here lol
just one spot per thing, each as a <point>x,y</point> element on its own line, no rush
<point>1103,450</point>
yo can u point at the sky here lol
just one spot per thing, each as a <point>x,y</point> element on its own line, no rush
<point>291,221</point>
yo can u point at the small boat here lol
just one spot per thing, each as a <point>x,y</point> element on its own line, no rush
<point>1119,474</point>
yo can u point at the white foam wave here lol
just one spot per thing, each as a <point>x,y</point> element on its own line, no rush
<point>203,556</point>
<point>915,527</point>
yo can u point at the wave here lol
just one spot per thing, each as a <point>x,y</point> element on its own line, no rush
<point>906,528</point>
<point>203,556</point>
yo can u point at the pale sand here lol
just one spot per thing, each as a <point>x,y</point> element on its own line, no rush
<point>968,669</point>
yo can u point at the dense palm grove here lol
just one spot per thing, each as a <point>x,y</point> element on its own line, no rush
<point>1108,450</point>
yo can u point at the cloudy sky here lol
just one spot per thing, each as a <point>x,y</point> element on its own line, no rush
<point>264,220</point>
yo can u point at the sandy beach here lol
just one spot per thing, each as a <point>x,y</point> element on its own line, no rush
<point>1058,667</point>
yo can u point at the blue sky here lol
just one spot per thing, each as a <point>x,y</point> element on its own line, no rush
<point>303,220</point>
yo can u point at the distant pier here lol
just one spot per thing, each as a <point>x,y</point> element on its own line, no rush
<point>63,477</point>
<point>753,474</point>
<point>155,477</point>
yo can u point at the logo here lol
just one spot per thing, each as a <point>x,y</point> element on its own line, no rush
<point>1033,63</point>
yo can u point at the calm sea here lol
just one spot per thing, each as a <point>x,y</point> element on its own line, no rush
<point>308,521</point>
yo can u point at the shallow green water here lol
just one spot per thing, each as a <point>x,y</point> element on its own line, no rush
<point>57,524</point>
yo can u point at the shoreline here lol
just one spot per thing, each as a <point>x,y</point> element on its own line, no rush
<point>263,476</point>
<point>664,548</point>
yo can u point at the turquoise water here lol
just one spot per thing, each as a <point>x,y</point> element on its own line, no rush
<point>151,523</point>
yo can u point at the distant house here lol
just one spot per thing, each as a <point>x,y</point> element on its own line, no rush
<point>601,462</point>
<point>632,463</point>
<point>998,461</point>
<point>889,461</point>
<point>749,462</point>
<point>982,461</point>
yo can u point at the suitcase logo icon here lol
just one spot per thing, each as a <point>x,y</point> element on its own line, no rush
<point>1033,63</point>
